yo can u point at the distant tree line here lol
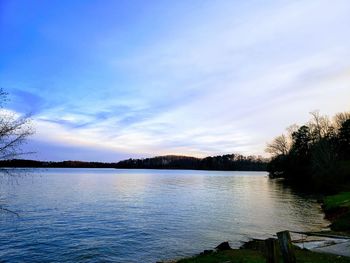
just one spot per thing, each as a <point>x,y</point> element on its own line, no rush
<point>20,163</point>
<point>229,162</point>
<point>315,155</point>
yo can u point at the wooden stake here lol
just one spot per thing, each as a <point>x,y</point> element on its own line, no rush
<point>286,247</point>
<point>272,251</point>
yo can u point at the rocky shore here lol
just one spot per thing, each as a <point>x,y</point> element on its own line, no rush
<point>254,251</point>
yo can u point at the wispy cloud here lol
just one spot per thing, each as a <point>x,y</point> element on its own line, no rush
<point>187,78</point>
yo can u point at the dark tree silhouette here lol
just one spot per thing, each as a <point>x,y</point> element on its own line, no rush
<point>228,162</point>
<point>344,139</point>
<point>319,154</point>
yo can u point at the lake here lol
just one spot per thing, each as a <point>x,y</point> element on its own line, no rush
<point>116,215</point>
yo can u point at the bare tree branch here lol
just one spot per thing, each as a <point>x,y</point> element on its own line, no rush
<point>14,131</point>
<point>279,146</point>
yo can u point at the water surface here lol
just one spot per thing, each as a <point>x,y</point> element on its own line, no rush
<point>110,215</point>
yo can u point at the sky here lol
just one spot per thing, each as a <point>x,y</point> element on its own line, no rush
<point>110,80</point>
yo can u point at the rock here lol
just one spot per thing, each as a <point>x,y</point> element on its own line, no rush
<point>254,244</point>
<point>223,246</point>
<point>206,252</point>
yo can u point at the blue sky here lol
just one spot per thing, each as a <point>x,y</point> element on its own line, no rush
<point>108,80</point>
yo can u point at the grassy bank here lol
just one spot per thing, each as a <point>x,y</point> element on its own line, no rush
<point>255,256</point>
<point>337,210</point>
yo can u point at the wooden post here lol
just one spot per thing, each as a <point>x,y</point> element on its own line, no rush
<point>272,253</point>
<point>286,247</point>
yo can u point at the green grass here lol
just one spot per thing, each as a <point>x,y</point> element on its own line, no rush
<point>337,201</point>
<point>309,257</point>
<point>253,256</point>
<point>337,208</point>
<point>342,223</point>
<point>235,255</point>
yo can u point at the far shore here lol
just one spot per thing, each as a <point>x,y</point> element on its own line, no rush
<point>117,168</point>
<point>228,162</point>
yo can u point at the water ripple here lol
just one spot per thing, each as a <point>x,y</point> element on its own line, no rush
<point>94,215</point>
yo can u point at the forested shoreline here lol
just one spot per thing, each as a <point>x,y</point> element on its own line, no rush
<point>229,162</point>
<point>315,155</point>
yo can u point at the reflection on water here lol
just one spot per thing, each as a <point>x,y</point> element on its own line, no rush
<point>95,215</point>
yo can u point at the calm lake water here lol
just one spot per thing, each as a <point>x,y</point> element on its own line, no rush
<point>110,215</point>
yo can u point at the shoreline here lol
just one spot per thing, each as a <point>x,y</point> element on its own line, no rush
<point>323,250</point>
<point>328,246</point>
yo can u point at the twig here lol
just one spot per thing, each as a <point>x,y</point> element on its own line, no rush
<point>9,211</point>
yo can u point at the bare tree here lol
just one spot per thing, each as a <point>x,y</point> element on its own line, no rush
<point>279,146</point>
<point>320,125</point>
<point>14,130</point>
<point>291,129</point>
<point>340,118</point>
